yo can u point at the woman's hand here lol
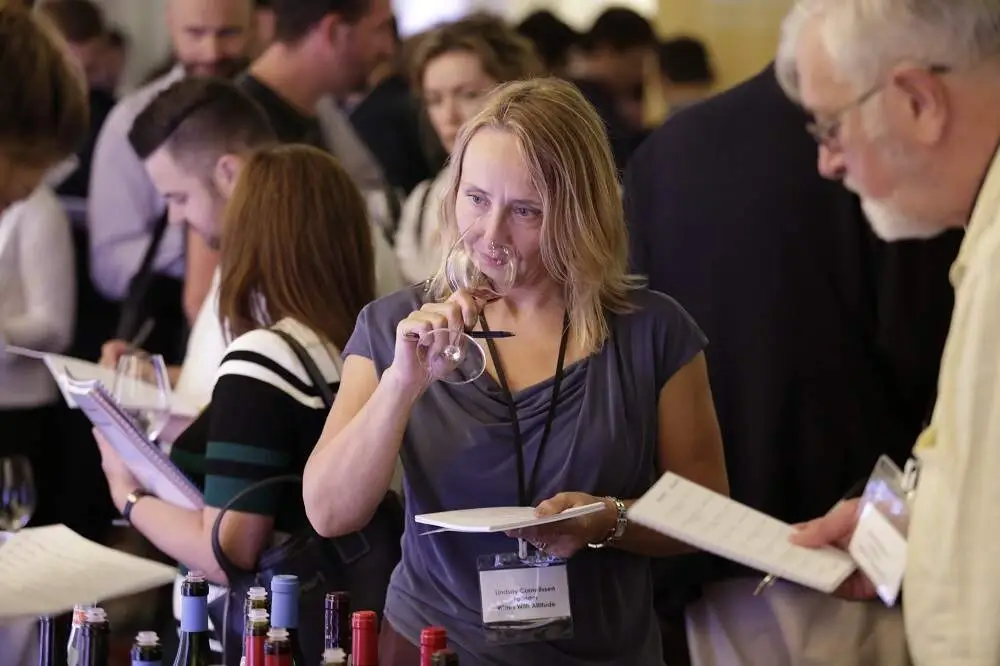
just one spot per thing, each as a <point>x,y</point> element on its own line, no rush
<point>456,314</point>
<point>120,479</point>
<point>566,537</point>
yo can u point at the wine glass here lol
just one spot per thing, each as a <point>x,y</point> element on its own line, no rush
<point>457,357</point>
<point>17,493</point>
<point>142,388</point>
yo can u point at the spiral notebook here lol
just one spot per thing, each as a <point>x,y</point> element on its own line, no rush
<point>703,518</point>
<point>150,466</point>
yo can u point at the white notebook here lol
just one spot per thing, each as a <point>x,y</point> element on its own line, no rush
<point>695,515</point>
<point>499,518</point>
<point>48,570</point>
<point>151,467</point>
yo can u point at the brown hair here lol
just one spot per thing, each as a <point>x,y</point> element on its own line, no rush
<point>505,55</point>
<point>584,241</point>
<point>296,234</point>
<point>79,21</point>
<point>44,110</point>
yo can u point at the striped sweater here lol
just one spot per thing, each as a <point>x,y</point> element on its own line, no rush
<point>264,420</point>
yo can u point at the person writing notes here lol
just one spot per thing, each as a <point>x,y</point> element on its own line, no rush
<point>601,388</point>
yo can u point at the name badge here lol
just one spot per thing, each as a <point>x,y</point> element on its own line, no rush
<point>880,551</point>
<point>524,599</point>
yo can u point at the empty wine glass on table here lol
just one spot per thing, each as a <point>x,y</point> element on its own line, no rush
<point>458,357</point>
<point>17,493</point>
<point>142,388</point>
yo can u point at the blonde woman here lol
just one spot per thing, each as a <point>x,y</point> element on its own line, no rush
<point>455,67</point>
<point>532,171</point>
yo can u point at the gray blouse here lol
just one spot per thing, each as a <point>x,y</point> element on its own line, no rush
<point>458,452</point>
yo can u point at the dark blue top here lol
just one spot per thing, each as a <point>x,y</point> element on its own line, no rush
<point>458,452</point>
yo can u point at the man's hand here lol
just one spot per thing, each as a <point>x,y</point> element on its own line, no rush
<point>836,529</point>
<point>111,351</point>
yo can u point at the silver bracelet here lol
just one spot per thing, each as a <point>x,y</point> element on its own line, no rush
<point>620,525</point>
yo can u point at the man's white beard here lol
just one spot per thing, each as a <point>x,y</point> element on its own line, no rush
<point>891,226</point>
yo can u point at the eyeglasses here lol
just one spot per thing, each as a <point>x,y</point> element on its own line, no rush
<point>827,133</point>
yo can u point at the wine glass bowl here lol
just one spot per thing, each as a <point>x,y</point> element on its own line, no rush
<point>451,356</point>
<point>486,274</point>
<point>17,493</point>
<point>142,388</point>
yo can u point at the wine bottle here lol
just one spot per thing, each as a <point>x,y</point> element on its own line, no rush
<point>444,658</point>
<point>46,642</point>
<point>256,636</point>
<point>194,649</point>
<point>337,621</point>
<point>147,651</point>
<point>432,639</point>
<point>256,600</point>
<point>96,638</point>
<point>334,657</point>
<point>76,635</point>
<point>278,648</point>
<point>285,612</point>
<point>364,626</point>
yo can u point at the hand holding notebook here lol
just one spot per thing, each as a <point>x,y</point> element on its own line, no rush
<point>150,466</point>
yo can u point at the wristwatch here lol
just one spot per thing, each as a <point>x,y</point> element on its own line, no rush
<point>618,531</point>
<point>130,501</point>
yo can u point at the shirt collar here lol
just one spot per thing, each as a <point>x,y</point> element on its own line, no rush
<point>985,214</point>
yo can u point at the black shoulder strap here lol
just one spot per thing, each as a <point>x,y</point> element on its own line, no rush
<point>306,359</point>
<point>138,287</point>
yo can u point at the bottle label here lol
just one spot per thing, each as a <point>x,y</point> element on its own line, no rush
<point>147,663</point>
<point>194,614</point>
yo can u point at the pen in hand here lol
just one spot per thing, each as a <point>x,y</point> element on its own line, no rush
<point>142,335</point>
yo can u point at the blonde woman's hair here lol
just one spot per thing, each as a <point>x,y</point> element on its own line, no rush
<point>502,52</point>
<point>584,242</point>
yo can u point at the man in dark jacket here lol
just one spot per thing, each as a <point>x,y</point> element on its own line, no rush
<point>823,354</point>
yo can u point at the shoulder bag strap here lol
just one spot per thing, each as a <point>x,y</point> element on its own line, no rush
<point>306,359</point>
<point>232,571</point>
<point>139,285</point>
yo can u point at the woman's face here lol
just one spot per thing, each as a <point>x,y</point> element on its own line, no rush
<point>454,88</point>
<point>497,205</point>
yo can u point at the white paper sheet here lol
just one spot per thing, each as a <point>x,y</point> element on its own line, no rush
<point>48,570</point>
<point>715,523</point>
<point>499,518</point>
<point>58,365</point>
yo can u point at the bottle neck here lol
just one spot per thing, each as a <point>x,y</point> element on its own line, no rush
<point>46,643</point>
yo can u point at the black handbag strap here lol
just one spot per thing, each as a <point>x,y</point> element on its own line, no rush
<point>128,322</point>
<point>306,359</point>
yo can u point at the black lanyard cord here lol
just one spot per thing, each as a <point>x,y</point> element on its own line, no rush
<point>526,491</point>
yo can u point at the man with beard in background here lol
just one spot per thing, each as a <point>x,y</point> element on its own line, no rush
<point>209,38</point>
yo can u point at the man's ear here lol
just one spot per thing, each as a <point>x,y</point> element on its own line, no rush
<point>333,27</point>
<point>227,170</point>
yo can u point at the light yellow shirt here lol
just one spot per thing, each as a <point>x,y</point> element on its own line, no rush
<point>952,585</point>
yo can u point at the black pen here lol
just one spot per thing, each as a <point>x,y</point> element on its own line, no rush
<point>489,335</point>
<point>476,335</point>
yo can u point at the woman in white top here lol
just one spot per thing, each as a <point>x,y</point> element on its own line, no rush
<point>37,305</point>
<point>456,66</point>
